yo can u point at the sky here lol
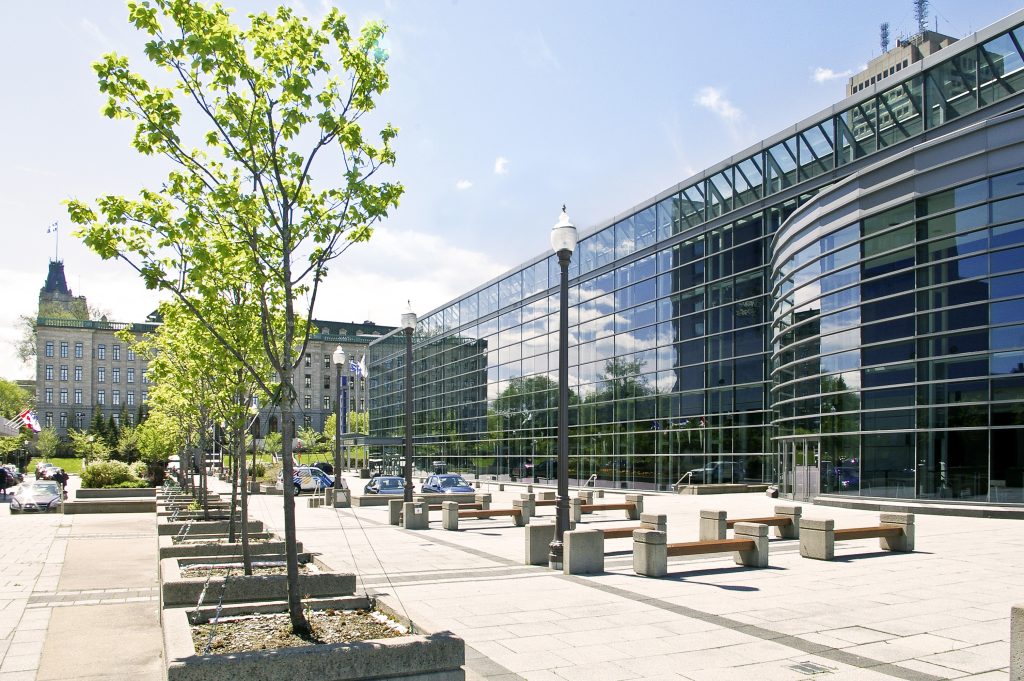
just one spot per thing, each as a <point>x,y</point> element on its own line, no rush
<point>506,110</point>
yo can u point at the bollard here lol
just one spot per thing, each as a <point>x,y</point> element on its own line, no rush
<point>538,542</point>
<point>650,554</point>
<point>395,511</point>
<point>450,515</point>
<point>416,515</point>
<point>583,552</point>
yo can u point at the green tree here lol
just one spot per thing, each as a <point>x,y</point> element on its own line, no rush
<point>13,399</point>
<point>89,446</point>
<point>47,443</point>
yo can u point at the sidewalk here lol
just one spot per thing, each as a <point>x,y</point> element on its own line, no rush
<point>78,598</point>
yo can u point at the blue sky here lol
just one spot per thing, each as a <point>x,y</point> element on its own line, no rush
<point>506,110</point>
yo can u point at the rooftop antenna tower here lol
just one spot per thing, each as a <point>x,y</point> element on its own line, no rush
<point>921,15</point>
<point>884,30</point>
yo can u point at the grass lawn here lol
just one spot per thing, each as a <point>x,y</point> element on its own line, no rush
<point>70,466</point>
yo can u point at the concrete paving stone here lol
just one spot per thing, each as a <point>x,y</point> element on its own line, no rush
<point>973,660</point>
<point>595,653</point>
<point>539,675</point>
<point>18,676</point>
<point>529,644</point>
<point>19,663</point>
<point>997,675</point>
<point>977,633</point>
<point>906,647</point>
<point>521,663</point>
<point>28,636</point>
<point>472,635</point>
<point>932,669</point>
<point>856,635</point>
<point>25,648</point>
<point>594,672</point>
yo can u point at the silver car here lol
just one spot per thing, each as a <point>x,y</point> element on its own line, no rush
<point>40,496</point>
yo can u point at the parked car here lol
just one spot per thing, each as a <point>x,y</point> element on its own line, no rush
<point>385,484</point>
<point>444,484</point>
<point>40,496</point>
<point>307,479</point>
<point>717,472</point>
<point>42,471</point>
<point>325,466</point>
<point>17,474</point>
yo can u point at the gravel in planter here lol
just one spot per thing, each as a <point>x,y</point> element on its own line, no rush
<point>266,632</point>
<point>275,567</point>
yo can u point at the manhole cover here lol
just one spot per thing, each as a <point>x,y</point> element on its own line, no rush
<point>811,668</point>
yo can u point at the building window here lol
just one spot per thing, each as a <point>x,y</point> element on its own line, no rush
<point>309,360</point>
<point>48,396</point>
<point>49,349</point>
<point>49,372</point>
<point>115,375</point>
<point>63,348</point>
<point>115,398</point>
<point>131,419</point>
<point>145,395</point>
<point>78,395</point>
<point>307,402</point>
<point>63,372</point>
<point>327,402</point>
<point>101,397</point>
<point>145,379</point>
<point>131,374</point>
<point>101,374</point>
<point>49,419</point>
<point>307,421</point>
<point>117,352</point>
<point>79,351</point>
<point>327,361</point>
<point>308,381</point>
<point>78,373</point>
<point>117,419</point>
<point>63,395</point>
<point>63,419</point>
<point>80,420</point>
<point>131,354</point>
<point>101,351</point>
<point>131,398</point>
<point>327,381</point>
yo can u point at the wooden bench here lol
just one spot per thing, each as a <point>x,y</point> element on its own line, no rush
<point>895,532</point>
<point>451,514</point>
<point>651,551</point>
<point>584,552</point>
<point>714,524</point>
<point>633,506</point>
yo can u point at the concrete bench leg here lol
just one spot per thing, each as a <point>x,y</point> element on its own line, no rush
<point>904,521</point>
<point>416,515</point>
<point>791,531</point>
<point>526,506</point>
<point>638,501</point>
<point>1017,642</point>
<point>654,521</point>
<point>759,534</point>
<point>576,510</point>
<point>395,511</point>
<point>650,556</point>
<point>587,495</point>
<point>817,539</point>
<point>450,515</point>
<point>584,552</point>
<point>522,518</point>
<point>712,525</point>
<point>538,542</point>
<point>484,500</point>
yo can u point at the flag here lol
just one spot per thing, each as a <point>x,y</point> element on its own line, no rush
<point>28,419</point>
<point>353,367</point>
<point>703,423</point>
<point>52,228</point>
<point>362,367</point>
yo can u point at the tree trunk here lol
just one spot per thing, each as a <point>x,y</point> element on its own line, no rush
<point>300,626</point>
<point>234,495</point>
<point>243,474</point>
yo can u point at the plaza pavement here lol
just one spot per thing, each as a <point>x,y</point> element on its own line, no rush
<point>78,597</point>
<point>939,613</point>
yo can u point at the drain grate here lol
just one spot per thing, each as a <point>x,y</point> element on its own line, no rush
<point>811,668</point>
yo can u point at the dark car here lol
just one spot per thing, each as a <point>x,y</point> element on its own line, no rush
<point>19,477</point>
<point>717,472</point>
<point>325,467</point>
<point>385,484</point>
<point>848,477</point>
<point>444,484</point>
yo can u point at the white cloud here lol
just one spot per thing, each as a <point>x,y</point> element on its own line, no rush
<point>97,34</point>
<point>823,75</point>
<point>714,100</point>
<point>500,165</point>
<point>463,184</point>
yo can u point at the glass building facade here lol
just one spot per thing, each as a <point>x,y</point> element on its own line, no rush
<point>725,320</point>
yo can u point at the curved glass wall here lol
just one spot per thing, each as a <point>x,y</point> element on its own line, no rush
<point>898,346</point>
<point>669,337</point>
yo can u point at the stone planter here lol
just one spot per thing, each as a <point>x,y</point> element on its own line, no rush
<point>170,549</point>
<point>419,657</point>
<point>116,493</point>
<point>202,527</point>
<point>178,591</point>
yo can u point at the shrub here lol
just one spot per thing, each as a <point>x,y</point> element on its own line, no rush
<point>108,474</point>
<point>258,470</point>
<point>140,469</point>
<point>131,484</point>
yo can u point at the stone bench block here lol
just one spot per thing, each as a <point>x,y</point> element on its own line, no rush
<point>584,552</point>
<point>538,541</point>
<point>416,514</point>
<point>1017,642</point>
<point>758,533</point>
<point>650,557</point>
<point>654,521</point>
<point>817,538</point>
<point>792,531</point>
<point>395,511</point>
<point>712,524</point>
<point>546,496</point>
<point>484,500</point>
<point>638,500</point>
<point>904,521</point>
<point>526,505</point>
<point>450,515</point>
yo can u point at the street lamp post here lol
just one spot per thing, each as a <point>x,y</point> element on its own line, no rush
<point>563,242</point>
<point>408,325</point>
<point>339,361</point>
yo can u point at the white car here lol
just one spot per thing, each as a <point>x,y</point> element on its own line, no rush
<point>308,479</point>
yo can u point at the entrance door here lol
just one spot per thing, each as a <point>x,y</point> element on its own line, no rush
<point>800,466</point>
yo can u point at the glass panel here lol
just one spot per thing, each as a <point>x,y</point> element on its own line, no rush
<point>693,205</point>
<point>720,193</point>
<point>510,289</point>
<point>625,240</point>
<point>670,217</point>
<point>1000,69</point>
<point>899,112</point>
<point>950,90</point>
<point>749,179</point>
<point>856,132</point>
<point>781,163</point>
<point>645,228</point>
<point>816,151</point>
